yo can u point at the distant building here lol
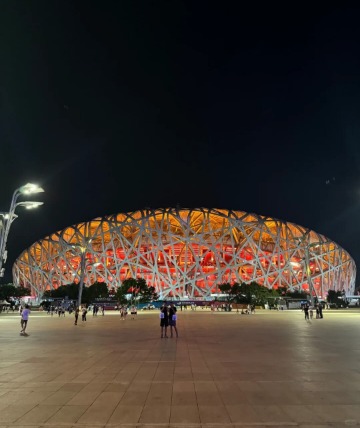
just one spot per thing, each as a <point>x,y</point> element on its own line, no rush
<point>186,252</point>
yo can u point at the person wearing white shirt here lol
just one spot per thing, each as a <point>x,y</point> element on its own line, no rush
<point>24,318</point>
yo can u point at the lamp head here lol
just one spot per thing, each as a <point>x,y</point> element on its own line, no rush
<point>30,188</point>
<point>29,205</point>
<point>34,205</point>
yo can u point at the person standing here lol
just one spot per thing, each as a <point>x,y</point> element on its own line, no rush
<point>320,310</point>
<point>122,313</point>
<point>24,319</point>
<point>173,319</point>
<point>133,312</point>
<point>306,310</point>
<point>77,311</point>
<point>83,316</point>
<point>164,320</point>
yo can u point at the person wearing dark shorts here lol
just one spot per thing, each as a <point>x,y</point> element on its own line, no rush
<point>164,320</point>
<point>24,319</point>
<point>172,319</point>
<point>77,311</point>
<point>306,311</point>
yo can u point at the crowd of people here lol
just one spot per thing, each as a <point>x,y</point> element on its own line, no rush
<point>98,308</point>
<point>59,310</point>
<point>168,314</point>
<point>309,311</point>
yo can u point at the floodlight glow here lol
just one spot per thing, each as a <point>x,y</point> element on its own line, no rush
<point>30,188</point>
<point>29,205</point>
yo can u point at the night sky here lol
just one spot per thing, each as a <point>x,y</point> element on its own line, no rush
<point>117,106</point>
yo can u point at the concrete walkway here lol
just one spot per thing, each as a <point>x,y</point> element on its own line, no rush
<point>225,370</point>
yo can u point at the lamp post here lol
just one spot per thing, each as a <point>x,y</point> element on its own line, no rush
<point>83,248</point>
<point>308,270</point>
<point>7,218</point>
<point>82,273</point>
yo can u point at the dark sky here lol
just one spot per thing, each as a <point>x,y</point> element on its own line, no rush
<point>116,106</point>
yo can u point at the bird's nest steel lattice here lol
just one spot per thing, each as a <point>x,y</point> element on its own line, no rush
<point>187,252</point>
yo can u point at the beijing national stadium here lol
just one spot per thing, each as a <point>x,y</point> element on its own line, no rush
<point>187,253</point>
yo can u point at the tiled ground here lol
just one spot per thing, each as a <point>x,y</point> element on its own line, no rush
<point>225,370</point>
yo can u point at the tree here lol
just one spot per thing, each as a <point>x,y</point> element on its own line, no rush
<point>120,296</point>
<point>137,289</point>
<point>337,298</point>
<point>23,291</point>
<point>8,291</point>
<point>252,293</point>
<point>127,287</point>
<point>70,291</point>
<point>297,294</point>
<point>145,293</point>
<point>226,288</point>
<point>97,290</point>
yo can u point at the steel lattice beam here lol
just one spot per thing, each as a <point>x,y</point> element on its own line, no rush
<point>187,252</point>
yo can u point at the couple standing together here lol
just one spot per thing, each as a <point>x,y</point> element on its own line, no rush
<point>168,317</point>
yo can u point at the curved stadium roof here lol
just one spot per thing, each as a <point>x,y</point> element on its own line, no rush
<point>187,252</point>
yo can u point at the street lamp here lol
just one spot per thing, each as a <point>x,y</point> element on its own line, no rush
<point>82,248</point>
<point>7,218</point>
<point>307,267</point>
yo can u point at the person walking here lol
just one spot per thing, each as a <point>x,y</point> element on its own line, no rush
<point>173,319</point>
<point>122,313</point>
<point>164,320</point>
<point>83,316</point>
<point>77,311</point>
<point>24,319</point>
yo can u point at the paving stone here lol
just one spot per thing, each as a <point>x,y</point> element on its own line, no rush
<point>59,398</point>
<point>104,374</point>
<point>13,412</point>
<point>67,415</point>
<point>96,414</point>
<point>38,414</point>
<point>155,414</point>
<point>128,414</point>
<point>184,414</point>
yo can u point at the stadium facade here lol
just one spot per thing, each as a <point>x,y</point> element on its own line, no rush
<point>187,252</point>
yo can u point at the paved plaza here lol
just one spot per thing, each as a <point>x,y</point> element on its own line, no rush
<point>225,370</point>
